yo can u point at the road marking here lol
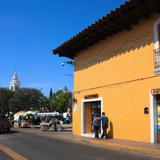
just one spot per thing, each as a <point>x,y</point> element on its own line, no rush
<point>11,153</point>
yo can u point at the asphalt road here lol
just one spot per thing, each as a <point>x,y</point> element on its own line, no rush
<point>38,147</point>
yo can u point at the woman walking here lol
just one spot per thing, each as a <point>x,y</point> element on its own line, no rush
<point>96,125</point>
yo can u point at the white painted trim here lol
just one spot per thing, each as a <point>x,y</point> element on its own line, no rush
<point>157,70</point>
<point>153,124</point>
<point>75,106</point>
<point>82,113</point>
<point>92,100</point>
<point>82,117</point>
<point>152,119</point>
<point>89,135</point>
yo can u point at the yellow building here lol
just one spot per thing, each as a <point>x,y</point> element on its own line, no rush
<point>117,71</point>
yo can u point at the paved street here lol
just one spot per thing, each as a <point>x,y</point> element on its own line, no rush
<point>32,144</point>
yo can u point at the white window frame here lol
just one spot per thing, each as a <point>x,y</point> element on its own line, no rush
<point>156,42</point>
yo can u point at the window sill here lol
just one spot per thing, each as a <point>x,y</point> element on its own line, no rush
<point>157,71</point>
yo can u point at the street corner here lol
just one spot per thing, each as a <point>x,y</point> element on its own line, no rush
<point>116,145</point>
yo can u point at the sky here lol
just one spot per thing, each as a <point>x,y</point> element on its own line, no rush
<point>30,29</point>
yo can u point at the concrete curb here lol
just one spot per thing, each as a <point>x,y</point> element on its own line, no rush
<point>111,145</point>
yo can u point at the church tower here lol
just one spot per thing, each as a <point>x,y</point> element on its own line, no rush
<point>15,83</point>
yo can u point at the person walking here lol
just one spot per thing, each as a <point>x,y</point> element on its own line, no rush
<point>104,120</point>
<point>96,125</point>
<point>19,121</point>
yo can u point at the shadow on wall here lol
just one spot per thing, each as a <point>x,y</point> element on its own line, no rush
<point>110,130</point>
<point>120,43</point>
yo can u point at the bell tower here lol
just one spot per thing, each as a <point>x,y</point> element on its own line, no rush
<point>15,83</point>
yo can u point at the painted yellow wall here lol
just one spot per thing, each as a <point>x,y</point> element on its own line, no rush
<point>124,57</point>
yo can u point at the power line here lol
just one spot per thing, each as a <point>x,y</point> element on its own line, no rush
<point>118,83</point>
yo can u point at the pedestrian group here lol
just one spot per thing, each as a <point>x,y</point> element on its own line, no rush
<point>96,125</point>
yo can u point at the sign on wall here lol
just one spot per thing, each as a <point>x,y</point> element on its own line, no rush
<point>92,96</point>
<point>155,91</point>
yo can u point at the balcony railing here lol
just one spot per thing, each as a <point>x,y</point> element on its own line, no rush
<point>157,59</point>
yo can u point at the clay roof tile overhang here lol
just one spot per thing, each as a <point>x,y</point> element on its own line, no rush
<point>122,18</point>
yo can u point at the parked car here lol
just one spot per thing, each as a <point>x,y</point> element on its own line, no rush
<point>5,125</point>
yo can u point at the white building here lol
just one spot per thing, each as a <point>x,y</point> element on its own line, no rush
<point>15,83</point>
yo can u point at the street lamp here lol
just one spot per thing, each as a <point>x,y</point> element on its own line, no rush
<point>67,62</point>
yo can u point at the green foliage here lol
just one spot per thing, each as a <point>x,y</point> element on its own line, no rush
<point>22,99</point>
<point>50,94</point>
<point>61,100</point>
<point>33,99</point>
<point>5,95</point>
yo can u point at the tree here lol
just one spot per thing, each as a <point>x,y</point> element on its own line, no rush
<point>44,104</point>
<point>32,99</point>
<point>61,100</point>
<point>15,105</point>
<point>50,93</point>
<point>22,99</point>
<point>5,95</point>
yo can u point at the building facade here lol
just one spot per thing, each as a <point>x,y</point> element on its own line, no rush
<point>15,83</point>
<point>117,71</point>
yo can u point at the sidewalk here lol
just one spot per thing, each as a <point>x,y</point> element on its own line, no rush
<point>116,144</point>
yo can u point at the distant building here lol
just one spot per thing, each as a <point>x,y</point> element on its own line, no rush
<point>15,83</point>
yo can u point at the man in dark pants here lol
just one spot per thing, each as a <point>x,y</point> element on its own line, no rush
<point>104,120</point>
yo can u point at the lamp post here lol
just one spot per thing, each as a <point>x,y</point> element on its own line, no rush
<point>67,62</point>
<point>70,63</point>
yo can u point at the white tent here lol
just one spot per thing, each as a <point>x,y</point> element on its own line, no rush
<point>48,114</point>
